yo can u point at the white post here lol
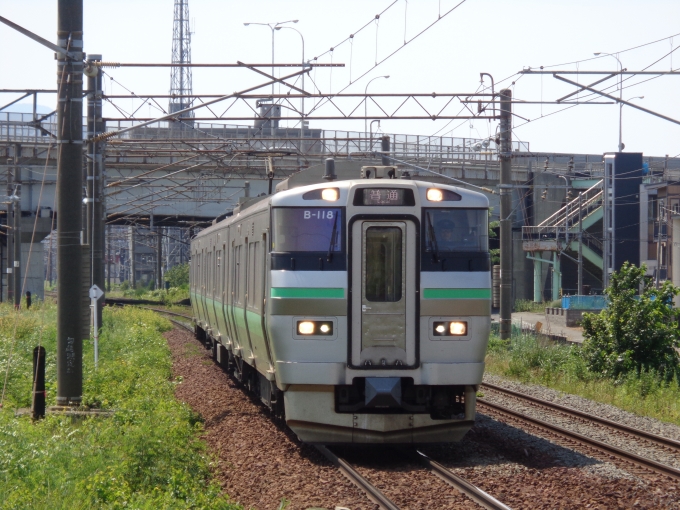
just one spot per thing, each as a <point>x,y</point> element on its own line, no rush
<point>95,294</point>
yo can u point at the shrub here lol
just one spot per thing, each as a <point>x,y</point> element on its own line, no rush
<point>635,333</point>
<point>177,276</point>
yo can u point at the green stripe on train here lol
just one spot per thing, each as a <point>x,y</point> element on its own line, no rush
<point>309,293</point>
<point>457,293</point>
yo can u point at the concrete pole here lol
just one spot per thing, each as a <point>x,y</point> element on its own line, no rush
<point>93,214</point>
<point>580,244</point>
<point>557,273</point>
<point>16,227</point>
<point>506,209</point>
<point>108,258</point>
<point>10,237</point>
<point>159,257</point>
<point>537,281</point>
<point>69,200</point>
<point>131,257</point>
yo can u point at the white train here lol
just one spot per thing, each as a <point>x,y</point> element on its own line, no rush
<point>357,307</point>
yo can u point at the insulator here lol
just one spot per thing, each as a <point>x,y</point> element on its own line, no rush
<point>106,64</point>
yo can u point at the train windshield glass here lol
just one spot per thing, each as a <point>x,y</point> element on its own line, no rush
<point>449,230</point>
<point>305,229</point>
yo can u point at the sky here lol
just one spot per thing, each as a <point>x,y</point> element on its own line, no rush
<point>491,36</point>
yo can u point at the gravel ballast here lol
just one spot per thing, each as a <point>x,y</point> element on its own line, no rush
<point>258,461</point>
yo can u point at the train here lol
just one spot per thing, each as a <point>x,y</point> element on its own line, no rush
<point>354,302</point>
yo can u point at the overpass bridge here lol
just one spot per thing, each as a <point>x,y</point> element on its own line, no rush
<point>161,177</point>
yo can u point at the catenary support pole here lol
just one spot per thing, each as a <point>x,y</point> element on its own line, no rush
<point>131,258</point>
<point>69,200</point>
<point>95,217</point>
<point>10,237</point>
<point>580,244</point>
<point>16,227</point>
<point>159,257</point>
<point>506,209</point>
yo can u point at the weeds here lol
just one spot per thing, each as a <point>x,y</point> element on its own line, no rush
<point>147,455</point>
<point>563,367</point>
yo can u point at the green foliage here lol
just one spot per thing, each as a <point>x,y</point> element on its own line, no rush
<point>148,454</point>
<point>527,305</point>
<point>635,333</point>
<point>495,253</point>
<point>177,276</point>
<point>563,367</point>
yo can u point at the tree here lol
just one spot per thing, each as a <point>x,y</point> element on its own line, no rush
<point>635,333</point>
<point>177,276</point>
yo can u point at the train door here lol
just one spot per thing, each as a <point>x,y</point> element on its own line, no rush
<point>384,288</point>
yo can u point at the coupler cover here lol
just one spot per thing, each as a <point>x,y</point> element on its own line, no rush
<point>383,391</point>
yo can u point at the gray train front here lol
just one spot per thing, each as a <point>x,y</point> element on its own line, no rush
<point>356,308</point>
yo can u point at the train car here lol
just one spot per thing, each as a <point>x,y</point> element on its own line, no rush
<point>357,308</point>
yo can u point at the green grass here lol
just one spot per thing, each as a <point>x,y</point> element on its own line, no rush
<point>526,359</point>
<point>527,305</point>
<point>147,455</point>
<point>166,297</point>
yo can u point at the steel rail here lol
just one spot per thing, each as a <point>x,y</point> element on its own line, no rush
<point>474,493</point>
<point>589,417</point>
<point>374,494</point>
<point>611,450</point>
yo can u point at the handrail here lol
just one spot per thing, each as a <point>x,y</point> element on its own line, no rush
<point>563,211</point>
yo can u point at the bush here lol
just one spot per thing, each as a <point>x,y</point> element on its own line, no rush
<point>635,333</point>
<point>177,276</point>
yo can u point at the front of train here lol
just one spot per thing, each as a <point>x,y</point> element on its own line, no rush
<point>379,309</point>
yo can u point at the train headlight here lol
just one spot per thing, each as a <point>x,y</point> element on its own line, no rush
<point>458,328</point>
<point>316,328</point>
<point>306,328</point>
<point>330,194</point>
<point>435,195</point>
<point>450,328</point>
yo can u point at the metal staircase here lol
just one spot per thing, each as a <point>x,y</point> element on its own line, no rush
<point>560,231</point>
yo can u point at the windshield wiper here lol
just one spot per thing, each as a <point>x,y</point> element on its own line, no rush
<point>433,239</point>
<point>334,233</point>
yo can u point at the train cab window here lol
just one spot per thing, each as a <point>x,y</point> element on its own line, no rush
<point>455,240</point>
<point>308,238</point>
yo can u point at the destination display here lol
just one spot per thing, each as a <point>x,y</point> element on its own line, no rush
<point>383,196</point>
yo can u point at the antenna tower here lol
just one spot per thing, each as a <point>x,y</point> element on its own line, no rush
<point>180,77</point>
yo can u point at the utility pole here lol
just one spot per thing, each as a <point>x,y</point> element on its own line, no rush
<point>506,209</point>
<point>159,257</point>
<point>580,244</point>
<point>95,216</point>
<point>16,227</point>
<point>10,236</point>
<point>69,199</point>
<point>131,256</point>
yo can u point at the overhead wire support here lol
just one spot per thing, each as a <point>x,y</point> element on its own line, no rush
<point>421,169</point>
<point>618,100</point>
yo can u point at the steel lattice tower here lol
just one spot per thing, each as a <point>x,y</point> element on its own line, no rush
<point>180,77</point>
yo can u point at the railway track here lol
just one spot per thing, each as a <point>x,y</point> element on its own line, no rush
<point>653,438</point>
<point>521,419</point>
<point>480,497</point>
